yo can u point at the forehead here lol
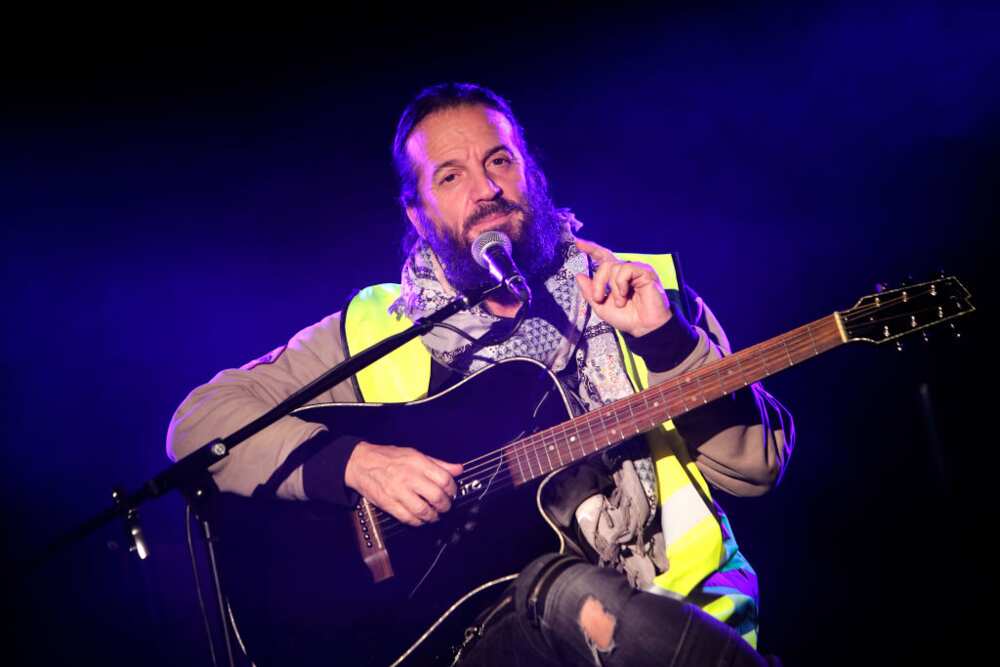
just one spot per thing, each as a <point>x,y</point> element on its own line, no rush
<point>458,132</point>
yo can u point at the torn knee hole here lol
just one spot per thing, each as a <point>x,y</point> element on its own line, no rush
<point>598,625</point>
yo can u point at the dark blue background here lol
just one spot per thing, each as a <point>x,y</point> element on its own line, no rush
<point>177,200</point>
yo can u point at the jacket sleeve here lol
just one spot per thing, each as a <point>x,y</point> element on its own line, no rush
<point>741,442</point>
<point>273,459</point>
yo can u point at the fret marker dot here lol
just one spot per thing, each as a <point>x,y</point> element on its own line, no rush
<point>552,448</point>
<point>572,439</point>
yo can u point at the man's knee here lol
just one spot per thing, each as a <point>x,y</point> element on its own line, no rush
<point>598,624</point>
<point>573,602</point>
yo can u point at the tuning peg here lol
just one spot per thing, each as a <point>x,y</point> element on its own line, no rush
<point>881,287</point>
<point>956,334</point>
<point>909,281</point>
<point>899,345</point>
<point>925,336</point>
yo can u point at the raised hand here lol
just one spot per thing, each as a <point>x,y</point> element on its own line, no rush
<point>626,295</point>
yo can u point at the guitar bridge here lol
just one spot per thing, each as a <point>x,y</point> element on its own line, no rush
<point>368,534</point>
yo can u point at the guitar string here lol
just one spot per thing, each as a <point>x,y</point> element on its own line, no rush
<point>778,345</point>
<point>490,458</point>
<point>859,311</point>
<point>521,451</point>
<point>631,420</point>
<point>791,344</point>
<point>392,526</point>
<point>530,445</point>
<point>644,417</point>
<point>540,444</point>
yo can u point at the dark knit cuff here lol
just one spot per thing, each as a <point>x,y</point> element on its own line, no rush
<point>664,348</point>
<point>323,473</point>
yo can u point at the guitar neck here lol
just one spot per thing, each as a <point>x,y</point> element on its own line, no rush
<point>546,451</point>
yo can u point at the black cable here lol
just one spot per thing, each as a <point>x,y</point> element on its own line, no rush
<point>206,527</point>
<point>484,339</point>
<point>197,584</point>
<point>518,319</point>
<point>458,331</point>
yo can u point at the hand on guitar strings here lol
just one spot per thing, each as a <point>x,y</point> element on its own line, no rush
<point>626,295</point>
<point>411,486</point>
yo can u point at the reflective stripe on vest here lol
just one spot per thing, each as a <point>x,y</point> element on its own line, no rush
<point>694,540</point>
<point>690,530</point>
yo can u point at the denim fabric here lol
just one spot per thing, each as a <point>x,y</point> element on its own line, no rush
<point>649,629</point>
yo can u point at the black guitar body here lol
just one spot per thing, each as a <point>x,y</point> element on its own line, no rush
<point>299,590</point>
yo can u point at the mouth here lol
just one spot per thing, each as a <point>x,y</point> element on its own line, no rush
<point>492,221</point>
<point>494,218</point>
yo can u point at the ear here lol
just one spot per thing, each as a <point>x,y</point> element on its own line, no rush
<point>414,216</point>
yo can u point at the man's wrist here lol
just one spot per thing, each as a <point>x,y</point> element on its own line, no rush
<point>666,346</point>
<point>323,474</point>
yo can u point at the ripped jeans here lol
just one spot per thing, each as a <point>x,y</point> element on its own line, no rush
<point>620,625</point>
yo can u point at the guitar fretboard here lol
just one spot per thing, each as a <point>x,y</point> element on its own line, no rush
<point>546,451</point>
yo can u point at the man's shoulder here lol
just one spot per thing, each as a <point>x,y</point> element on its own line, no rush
<point>323,339</point>
<point>326,326</point>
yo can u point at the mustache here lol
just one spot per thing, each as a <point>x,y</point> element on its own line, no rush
<point>499,205</point>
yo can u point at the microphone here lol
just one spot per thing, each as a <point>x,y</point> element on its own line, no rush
<point>491,250</point>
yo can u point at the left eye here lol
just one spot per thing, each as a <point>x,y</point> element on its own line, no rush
<point>499,161</point>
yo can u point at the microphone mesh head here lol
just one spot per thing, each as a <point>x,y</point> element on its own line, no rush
<point>484,241</point>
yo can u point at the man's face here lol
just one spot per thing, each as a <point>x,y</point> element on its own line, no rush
<point>472,178</point>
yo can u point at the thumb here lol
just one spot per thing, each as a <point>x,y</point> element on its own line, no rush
<point>452,468</point>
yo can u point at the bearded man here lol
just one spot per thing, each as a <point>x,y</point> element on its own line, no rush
<point>665,582</point>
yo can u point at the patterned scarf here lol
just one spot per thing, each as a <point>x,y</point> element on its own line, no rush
<point>551,332</point>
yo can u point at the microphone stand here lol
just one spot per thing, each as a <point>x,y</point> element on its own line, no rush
<point>190,472</point>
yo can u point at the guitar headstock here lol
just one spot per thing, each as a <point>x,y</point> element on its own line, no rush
<point>892,314</point>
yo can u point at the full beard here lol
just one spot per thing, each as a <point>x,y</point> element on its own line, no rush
<point>533,244</point>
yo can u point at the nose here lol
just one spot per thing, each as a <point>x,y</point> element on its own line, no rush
<point>485,188</point>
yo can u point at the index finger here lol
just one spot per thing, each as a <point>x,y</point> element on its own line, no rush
<point>596,252</point>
